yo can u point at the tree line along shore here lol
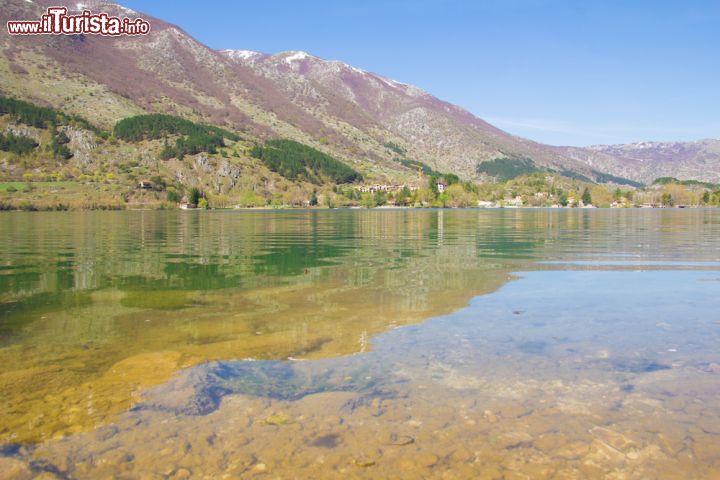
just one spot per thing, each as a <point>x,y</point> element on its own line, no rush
<point>54,161</point>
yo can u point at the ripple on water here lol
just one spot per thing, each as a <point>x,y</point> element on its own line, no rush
<point>571,370</point>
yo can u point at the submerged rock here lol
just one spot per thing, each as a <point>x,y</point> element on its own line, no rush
<point>711,367</point>
<point>330,440</point>
<point>364,462</point>
<point>534,347</point>
<point>278,419</point>
<point>199,390</point>
<point>642,365</point>
<point>14,469</point>
<point>400,440</point>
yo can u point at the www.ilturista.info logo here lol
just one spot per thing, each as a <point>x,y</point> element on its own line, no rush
<point>57,22</point>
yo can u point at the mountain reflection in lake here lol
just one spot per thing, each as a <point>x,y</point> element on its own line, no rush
<point>232,344</point>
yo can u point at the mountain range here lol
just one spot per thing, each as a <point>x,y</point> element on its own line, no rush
<point>364,119</point>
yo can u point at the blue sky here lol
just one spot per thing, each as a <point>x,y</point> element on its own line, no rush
<point>562,72</point>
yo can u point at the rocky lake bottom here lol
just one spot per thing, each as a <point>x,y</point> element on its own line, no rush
<point>522,345</point>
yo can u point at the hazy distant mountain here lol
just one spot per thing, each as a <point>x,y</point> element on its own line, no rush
<point>360,117</point>
<point>646,161</point>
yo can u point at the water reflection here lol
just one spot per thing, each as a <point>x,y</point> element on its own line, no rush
<point>508,386</point>
<point>100,311</point>
<point>143,287</point>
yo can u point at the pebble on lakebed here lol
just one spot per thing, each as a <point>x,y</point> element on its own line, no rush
<point>278,419</point>
<point>341,432</point>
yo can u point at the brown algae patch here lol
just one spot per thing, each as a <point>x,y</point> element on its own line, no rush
<point>77,368</point>
<point>156,299</point>
<point>41,413</point>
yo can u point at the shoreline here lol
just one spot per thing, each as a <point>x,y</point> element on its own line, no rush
<point>115,208</point>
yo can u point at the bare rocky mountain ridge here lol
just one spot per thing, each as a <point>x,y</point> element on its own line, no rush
<point>647,161</point>
<point>348,112</point>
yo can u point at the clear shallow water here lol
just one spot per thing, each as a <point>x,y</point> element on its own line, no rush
<point>523,343</point>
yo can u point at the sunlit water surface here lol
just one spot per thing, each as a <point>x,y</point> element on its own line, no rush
<point>375,344</point>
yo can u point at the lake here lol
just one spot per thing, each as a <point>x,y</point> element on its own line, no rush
<point>362,344</point>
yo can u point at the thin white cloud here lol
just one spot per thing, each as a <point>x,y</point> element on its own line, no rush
<point>558,128</point>
<point>534,124</point>
<point>616,133</point>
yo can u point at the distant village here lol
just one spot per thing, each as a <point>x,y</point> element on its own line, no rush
<point>517,201</point>
<point>408,195</point>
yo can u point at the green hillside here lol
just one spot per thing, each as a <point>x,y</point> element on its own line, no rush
<point>294,161</point>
